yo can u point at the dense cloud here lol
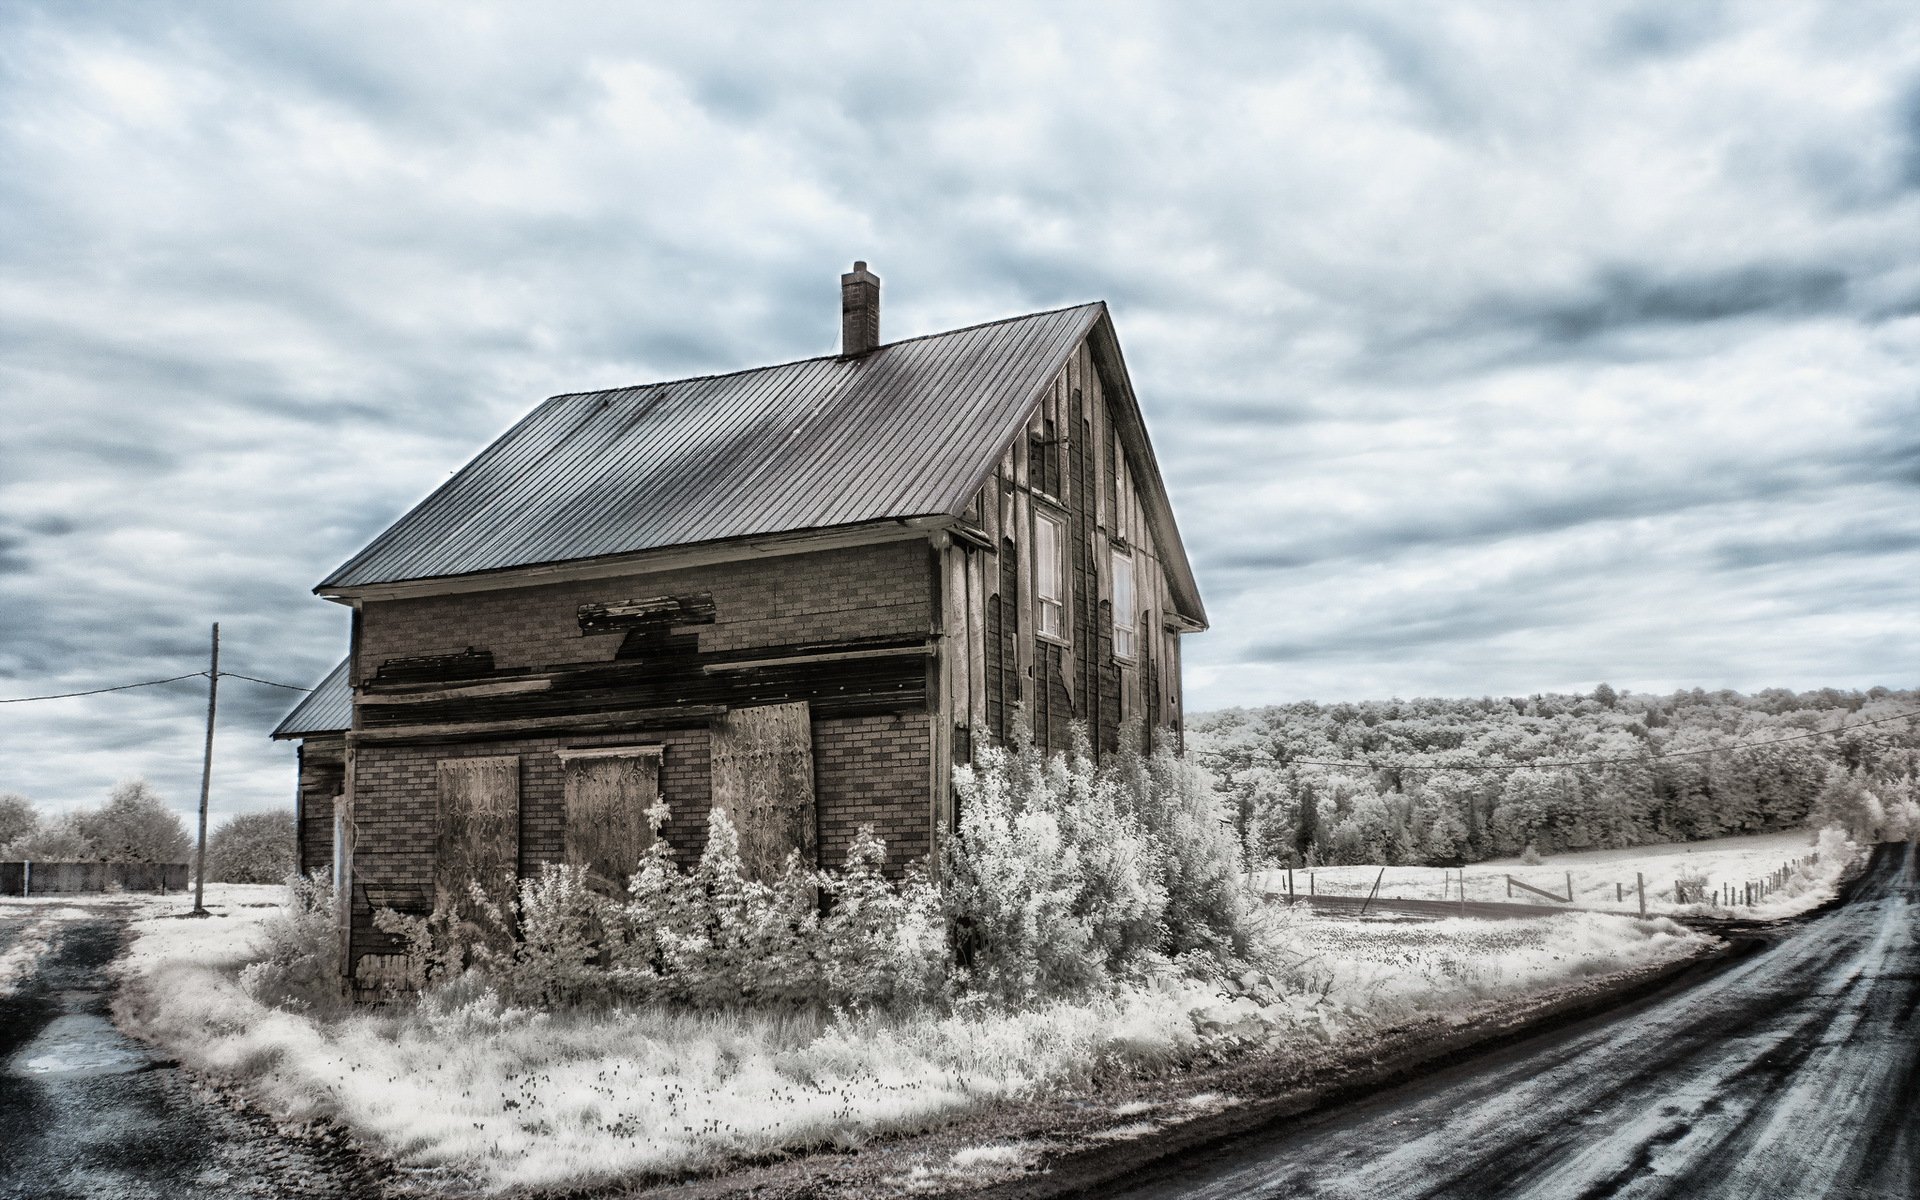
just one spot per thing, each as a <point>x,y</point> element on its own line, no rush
<point>1487,348</point>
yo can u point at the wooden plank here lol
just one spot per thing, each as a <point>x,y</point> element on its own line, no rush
<point>479,833</point>
<point>920,650</point>
<point>608,794</point>
<point>508,687</point>
<point>979,564</point>
<point>682,714</point>
<point>654,611</point>
<point>567,754</point>
<point>761,762</point>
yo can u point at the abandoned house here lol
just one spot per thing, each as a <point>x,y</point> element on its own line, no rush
<point>801,593</point>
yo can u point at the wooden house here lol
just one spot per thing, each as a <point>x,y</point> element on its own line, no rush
<point>802,593</point>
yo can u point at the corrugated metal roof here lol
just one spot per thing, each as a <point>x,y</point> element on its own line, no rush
<point>902,431</point>
<point>328,708</point>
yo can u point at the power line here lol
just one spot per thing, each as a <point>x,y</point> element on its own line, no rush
<point>151,683</point>
<point>99,691</point>
<point>1599,762</point>
<point>270,683</point>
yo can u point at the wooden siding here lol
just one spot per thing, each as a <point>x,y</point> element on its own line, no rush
<point>1069,462</point>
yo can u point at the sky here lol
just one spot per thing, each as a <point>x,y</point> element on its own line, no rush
<point>1487,348</point>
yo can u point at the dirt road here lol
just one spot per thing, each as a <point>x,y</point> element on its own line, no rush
<point>88,1114</point>
<point>1795,1073</point>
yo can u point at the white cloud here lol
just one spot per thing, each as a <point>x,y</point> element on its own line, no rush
<point>1487,348</point>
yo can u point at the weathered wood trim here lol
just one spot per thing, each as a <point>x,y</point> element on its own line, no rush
<point>684,714</point>
<point>751,664</point>
<point>644,562</point>
<point>967,533</point>
<point>622,615</point>
<point>569,753</point>
<point>510,687</point>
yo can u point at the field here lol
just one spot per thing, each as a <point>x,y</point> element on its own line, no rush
<point>1601,879</point>
<point>466,1092</point>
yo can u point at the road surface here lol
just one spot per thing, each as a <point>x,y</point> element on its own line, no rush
<point>1794,1074</point>
<point>89,1114</point>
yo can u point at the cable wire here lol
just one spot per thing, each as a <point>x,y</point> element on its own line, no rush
<point>1598,762</point>
<point>99,691</point>
<point>270,683</point>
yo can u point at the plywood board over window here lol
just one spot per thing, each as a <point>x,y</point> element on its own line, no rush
<point>762,773</point>
<point>609,792</point>
<point>479,840</point>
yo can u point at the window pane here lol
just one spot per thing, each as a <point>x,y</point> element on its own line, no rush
<point>1123,591</point>
<point>1046,558</point>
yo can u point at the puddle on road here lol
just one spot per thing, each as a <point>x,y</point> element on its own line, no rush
<point>78,1044</point>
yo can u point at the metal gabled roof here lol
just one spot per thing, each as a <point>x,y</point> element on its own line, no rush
<point>328,708</point>
<point>902,431</point>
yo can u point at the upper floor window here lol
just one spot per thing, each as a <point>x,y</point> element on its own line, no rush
<point>1049,573</point>
<point>1124,618</point>
<point>1043,459</point>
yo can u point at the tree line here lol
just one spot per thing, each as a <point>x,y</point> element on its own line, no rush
<point>1448,781</point>
<point>135,824</point>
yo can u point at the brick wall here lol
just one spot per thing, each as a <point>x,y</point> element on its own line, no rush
<point>322,775</point>
<point>867,769</point>
<point>861,591</point>
<point>874,771</point>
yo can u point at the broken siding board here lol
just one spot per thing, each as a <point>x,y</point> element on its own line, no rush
<point>761,764</point>
<point>509,687</point>
<point>609,793</point>
<point>479,835</point>
<point>438,668</point>
<point>656,611</point>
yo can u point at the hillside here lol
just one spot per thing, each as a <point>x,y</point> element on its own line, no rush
<point>1461,780</point>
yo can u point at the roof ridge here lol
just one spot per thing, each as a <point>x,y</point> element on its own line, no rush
<point>794,362</point>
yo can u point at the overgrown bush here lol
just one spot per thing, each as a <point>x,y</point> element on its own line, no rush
<point>300,968</point>
<point>252,848</point>
<point>1064,875</point>
<point>706,938</point>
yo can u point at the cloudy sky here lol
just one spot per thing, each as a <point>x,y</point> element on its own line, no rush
<point>1487,348</point>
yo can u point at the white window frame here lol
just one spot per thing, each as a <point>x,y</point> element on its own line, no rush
<point>1126,620</point>
<point>1050,609</point>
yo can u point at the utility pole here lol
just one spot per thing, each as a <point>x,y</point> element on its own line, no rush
<point>206,778</point>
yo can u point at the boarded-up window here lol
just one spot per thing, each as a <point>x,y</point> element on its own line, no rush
<point>609,792</point>
<point>479,833</point>
<point>762,764</point>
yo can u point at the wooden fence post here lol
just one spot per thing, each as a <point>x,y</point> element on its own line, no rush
<point>1569,887</point>
<point>1289,885</point>
<point>1374,892</point>
<point>1640,885</point>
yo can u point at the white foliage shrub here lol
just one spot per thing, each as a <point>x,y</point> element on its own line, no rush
<point>1063,878</point>
<point>299,967</point>
<point>705,938</point>
<point>1064,875</point>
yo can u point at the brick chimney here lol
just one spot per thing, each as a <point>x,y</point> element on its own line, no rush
<point>859,311</point>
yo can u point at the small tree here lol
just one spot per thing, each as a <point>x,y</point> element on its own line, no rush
<point>17,817</point>
<point>59,840</point>
<point>252,848</point>
<point>135,825</point>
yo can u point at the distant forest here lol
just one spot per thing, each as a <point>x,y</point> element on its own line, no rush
<point>1507,793</point>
